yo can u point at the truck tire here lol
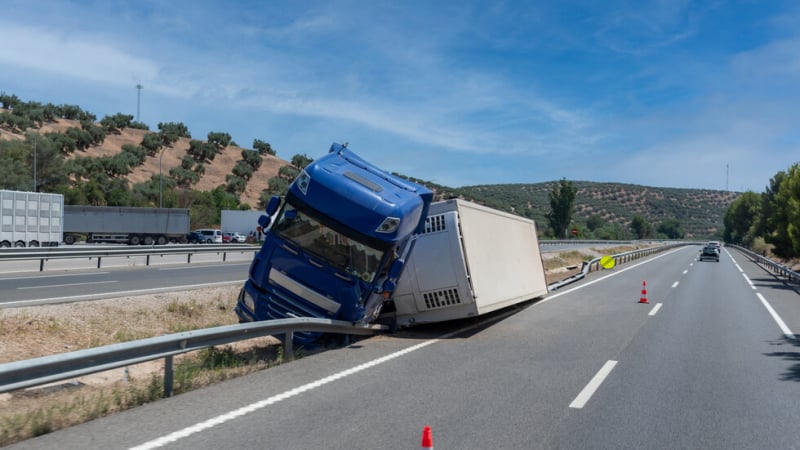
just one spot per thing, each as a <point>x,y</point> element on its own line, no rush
<point>5,244</point>
<point>161,240</point>
<point>148,240</point>
<point>69,239</point>
<point>134,240</point>
<point>19,244</point>
<point>33,244</point>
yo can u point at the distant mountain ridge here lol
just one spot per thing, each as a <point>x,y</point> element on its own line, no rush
<point>700,212</point>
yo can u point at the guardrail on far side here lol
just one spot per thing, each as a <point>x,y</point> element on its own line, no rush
<point>48,253</point>
<point>768,264</point>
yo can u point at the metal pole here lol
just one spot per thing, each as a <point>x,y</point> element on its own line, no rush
<point>160,158</point>
<point>168,377</point>
<point>35,141</point>
<point>138,95</point>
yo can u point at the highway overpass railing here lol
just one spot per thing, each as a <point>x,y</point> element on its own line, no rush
<point>47,253</point>
<point>48,369</point>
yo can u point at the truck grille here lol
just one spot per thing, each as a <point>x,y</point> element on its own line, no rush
<point>441,298</point>
<point>282,305</point>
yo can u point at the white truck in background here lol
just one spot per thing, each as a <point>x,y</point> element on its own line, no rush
<point>30,219</point>
<point>470,260</point>
<point>242,222</point>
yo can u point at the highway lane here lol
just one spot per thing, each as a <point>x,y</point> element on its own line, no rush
<point>704,364</point>
<point>42,288</point>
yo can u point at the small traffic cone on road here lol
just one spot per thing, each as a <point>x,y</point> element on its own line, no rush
<point>643,298</point>
<point>427,438</point>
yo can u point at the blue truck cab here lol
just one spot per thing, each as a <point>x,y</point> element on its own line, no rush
<point>336,243</point>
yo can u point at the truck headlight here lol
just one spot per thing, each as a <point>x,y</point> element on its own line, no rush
<point>248,301</point>
<point>389,225</point>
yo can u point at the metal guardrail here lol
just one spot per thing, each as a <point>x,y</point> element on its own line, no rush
<point>46,253</point>
<point>48,369</point>
<point>777,269</point>
<point>620,258</point>
<point>581,241</point>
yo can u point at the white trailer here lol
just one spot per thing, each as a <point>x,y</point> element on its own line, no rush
<point>470,260</point>
<point>242,222</point>
<point>30,219</point>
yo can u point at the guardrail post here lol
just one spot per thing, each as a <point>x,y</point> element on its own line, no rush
<point>188,258</point>
<point>147,261</point>
<point>41,265</point>
<point>168,376</point>
<point>98,262</point>
<point>224,254</point>
<point>288,349</point>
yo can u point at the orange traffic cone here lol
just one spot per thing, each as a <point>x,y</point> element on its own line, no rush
<point>427,438</point>
<point>643,298</point>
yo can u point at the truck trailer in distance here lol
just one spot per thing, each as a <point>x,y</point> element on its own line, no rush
<point>242,222</point>
<point>125,225</point>
<point>30,219</point>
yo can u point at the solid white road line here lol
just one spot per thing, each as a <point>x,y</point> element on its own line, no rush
<point>36,277</point>
<point>64,285</point>
<point>117,294</point>
<point>786,331</point>
<point>675,284</point>
<point>748,280</point>
<point>214,421</point>
<point>594,384</point>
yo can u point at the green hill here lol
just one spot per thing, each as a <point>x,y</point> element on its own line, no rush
<point>700,212</point>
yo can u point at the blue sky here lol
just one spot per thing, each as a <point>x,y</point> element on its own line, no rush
<point>692,94</point>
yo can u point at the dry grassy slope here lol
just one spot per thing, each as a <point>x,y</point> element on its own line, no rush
<point>215,172</point>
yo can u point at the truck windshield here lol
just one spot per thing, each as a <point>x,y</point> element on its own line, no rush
<point>339,250</point>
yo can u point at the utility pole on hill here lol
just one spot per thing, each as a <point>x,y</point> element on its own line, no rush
<point>138,96</point>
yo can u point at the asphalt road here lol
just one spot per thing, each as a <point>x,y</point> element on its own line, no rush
<point>709,362</point>
<point>33,288</point>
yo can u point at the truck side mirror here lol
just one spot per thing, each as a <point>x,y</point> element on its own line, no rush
<point>263,221</point>
<point>390,284</point>
<point>273,205</point>
<point>396,269</point>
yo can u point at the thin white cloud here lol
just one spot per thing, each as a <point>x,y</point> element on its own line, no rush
<point>72,55</point>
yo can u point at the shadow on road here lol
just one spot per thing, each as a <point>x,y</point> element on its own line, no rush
<point>793,372</point>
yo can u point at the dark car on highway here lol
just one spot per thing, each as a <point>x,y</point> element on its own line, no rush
<point>194,237</point>
<point>709,252</point>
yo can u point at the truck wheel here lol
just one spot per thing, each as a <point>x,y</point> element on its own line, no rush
<point>33,244</point>
<point>161,240</point>
<point>69,239</point>
<point>5,244</point>
<point>135,240</point>
<point>19,244</point>
<point>148,240</point>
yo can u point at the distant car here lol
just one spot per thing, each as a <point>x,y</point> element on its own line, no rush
<point>709,252</point>
<point>209,235</point>
<point>226,237</point>
<point>236,237</point>
<point>716,245</point>
<point>194,237</point>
